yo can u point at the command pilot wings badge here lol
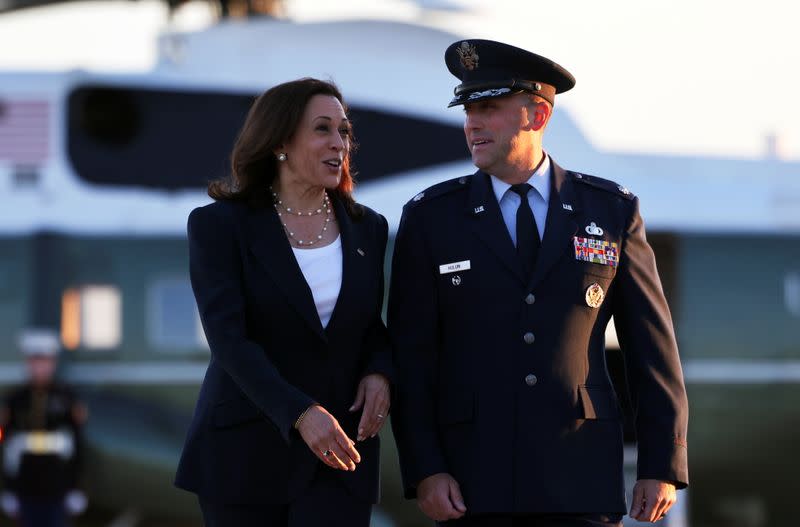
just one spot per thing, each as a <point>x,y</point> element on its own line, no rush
<point>594,230</point>
<point>596,251</point>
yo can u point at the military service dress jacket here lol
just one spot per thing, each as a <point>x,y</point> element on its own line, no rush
<point>502,377</point>
<point>42,441</point>
<point>271,358</point>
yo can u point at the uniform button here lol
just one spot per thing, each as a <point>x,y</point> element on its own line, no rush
<point>528,338</point>
<point>530,299</point>
<point>531,379</point>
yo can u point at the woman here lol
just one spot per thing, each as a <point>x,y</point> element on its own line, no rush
<point>287,271</point>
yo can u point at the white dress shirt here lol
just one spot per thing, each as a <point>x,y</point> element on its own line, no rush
<point>538,199</point>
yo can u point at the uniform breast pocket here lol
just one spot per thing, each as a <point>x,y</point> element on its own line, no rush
<point>593,289</point>
<point>602,271</point>
<point>597,256</point>
<point>595,281</point>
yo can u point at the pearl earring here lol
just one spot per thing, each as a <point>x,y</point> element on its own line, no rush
<point>282,156</point>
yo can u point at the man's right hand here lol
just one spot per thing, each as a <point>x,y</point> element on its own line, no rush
<point>439,497</point>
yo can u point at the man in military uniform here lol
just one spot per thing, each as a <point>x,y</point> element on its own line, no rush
<point>503,283</point>
<point>41,423</point>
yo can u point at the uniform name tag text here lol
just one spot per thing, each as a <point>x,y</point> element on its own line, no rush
<point>455,266</point>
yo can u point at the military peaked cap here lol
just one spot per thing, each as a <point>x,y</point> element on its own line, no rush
<point>490,69</point>
<point>39,342</point>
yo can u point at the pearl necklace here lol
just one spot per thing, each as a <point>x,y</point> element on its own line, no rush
<point>276,199</point>
<point>325,205</point>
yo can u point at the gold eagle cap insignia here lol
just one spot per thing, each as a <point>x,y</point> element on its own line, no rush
<point>468,55</point>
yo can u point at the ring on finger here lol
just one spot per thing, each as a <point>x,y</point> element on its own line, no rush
<point>327,453</point>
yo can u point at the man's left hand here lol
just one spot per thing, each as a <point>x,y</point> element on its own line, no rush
<point>373,396</point>
<point>652,499</point>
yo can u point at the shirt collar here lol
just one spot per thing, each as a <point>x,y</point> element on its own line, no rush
<point>540,180</point>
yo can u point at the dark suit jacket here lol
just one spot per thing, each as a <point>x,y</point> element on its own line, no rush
<point>271,357</point>
<point>530,424</point>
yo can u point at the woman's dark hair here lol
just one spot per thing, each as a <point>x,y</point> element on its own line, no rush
<point>271,122</point>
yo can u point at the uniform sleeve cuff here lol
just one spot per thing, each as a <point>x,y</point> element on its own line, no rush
<point>671,464</point>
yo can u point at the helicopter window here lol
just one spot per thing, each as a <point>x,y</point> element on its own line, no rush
<point>14,293</point>
<point>91,317</point>
<point>182,139</point>
<point>109,116</point>
<point>791,292</point>
<point>174,323</point>
<point>5,282</point>
<point>131,136</point>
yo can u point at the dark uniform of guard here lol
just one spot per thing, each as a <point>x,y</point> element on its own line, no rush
<point>41,426</point>
<point>502,373</point>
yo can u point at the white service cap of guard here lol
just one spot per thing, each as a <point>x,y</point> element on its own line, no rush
<point>39,341</point>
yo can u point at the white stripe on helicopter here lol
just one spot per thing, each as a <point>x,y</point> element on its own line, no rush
<point>696,371</point>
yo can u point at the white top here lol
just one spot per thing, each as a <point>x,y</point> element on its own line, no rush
<point>538,199</point>
<point>322,269</point>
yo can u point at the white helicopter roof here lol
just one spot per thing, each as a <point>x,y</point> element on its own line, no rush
<point>391,66</point>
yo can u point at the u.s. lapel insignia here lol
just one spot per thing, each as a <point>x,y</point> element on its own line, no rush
<point>594,230</point>
<point>594,295</point>
<point>478,209</point>
<point>468,55</point>
<point>456,280</point>
<point>567,206</point>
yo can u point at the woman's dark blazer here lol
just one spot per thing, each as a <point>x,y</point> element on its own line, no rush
<point>271,357</point>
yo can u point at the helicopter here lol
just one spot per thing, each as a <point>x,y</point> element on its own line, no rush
<point>100,172</point>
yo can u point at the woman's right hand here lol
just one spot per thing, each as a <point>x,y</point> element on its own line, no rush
<point>323,435</point>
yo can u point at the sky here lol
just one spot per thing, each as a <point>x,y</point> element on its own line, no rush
<point>695,77</point>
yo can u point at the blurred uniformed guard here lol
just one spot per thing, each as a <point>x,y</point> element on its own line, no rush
<point>41,423</point>
<point>503,283</point>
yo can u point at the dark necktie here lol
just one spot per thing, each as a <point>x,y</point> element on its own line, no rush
<point>527,234</point>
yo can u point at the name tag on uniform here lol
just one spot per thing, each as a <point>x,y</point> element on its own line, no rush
<point>596,251</point>
<point>455,266</point>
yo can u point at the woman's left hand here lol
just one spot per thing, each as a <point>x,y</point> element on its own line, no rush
<point>373,396</point>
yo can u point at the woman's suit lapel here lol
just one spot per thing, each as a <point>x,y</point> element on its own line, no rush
<point>268,242</point>
<point>354,249</point>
